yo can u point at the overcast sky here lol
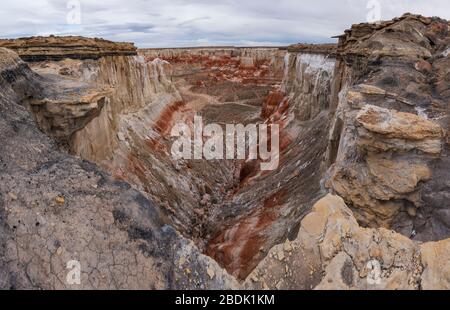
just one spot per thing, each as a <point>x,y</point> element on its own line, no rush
<point>172,23</point>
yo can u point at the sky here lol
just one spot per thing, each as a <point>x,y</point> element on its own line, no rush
<point>181,23</point>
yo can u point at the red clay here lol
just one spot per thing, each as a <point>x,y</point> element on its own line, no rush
<point>165,121</point>
<point>274,98</point>
<point>238,247</point>
<point>224,68</point>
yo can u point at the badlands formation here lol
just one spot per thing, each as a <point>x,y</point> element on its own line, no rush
<point>363,184</point>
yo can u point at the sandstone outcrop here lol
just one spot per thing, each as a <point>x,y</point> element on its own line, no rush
<point>389,140</point>
<point>307,82</point>
<point>327,49</point>
<point>59,48</point>
<point>332,251</point>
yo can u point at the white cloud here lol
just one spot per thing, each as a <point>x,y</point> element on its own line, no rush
<point>158,23</point>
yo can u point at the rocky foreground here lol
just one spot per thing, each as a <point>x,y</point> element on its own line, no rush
<point>360,200</point>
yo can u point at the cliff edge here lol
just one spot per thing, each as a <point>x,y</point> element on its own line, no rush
<point>58,48</point>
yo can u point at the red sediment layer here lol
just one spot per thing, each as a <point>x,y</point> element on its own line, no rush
<point>224,68</point>
<point>136,167</point>
<point>271,103</point>
<point>251,168</point>
<point>238,248</point>
<point>156,145</point>
<point>248,170</point>
<point>275,106</point>
<point>165,121</point>
<point>163,126</point>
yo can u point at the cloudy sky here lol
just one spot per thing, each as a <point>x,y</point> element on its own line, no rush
<point>172,23</point>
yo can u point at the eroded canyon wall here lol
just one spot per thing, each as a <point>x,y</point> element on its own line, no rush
<point>109,109</point>
<point>246,57</point>
<point>55,208</point>
<point>268,205</point>
<point>117,110</point>
<point>388,151</point>
<point>367,120</point>
<point>389,141</point>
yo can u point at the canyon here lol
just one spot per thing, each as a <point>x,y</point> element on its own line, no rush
<point>86,171</point>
